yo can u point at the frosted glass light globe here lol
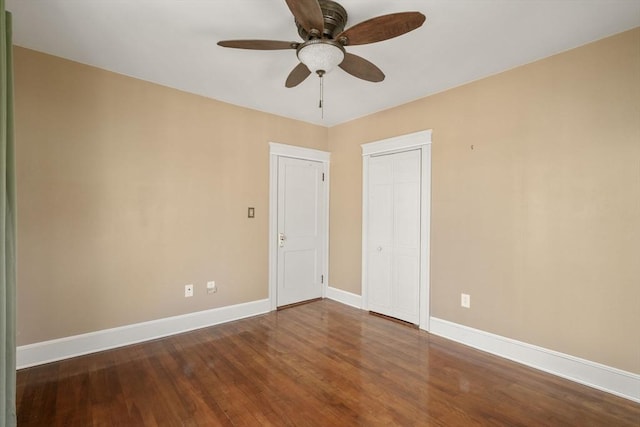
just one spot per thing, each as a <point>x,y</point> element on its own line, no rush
<point>320,55</point>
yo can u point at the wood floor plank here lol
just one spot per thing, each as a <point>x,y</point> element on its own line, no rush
<point>317,364</point>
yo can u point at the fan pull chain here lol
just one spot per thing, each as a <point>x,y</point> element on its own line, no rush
<point>321,97</point>
<point>321,103</point>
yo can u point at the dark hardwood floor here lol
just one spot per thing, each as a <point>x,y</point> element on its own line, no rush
<point>319,364</point>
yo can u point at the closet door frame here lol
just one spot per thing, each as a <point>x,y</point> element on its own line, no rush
<point>413,141</point>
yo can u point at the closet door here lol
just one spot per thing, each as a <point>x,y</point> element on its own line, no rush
<point>393,235</point>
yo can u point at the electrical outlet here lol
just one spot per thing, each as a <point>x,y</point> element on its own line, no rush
<point>188,291</point>
<point>211,287</point>
<point>465,300</point>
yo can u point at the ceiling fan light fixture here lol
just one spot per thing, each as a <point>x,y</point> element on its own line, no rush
<point>321,55</point>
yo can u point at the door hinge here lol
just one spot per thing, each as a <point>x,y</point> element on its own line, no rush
<point>322,176</point>
<point>322,278</point>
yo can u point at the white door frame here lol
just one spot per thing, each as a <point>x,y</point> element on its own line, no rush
<point>418,140</point>
<point>275,152</point>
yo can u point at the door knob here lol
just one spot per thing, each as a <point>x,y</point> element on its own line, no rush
<point>379,248</point>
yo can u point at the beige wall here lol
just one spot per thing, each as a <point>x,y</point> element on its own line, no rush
<point>540,221</point>
<point>127,191</point>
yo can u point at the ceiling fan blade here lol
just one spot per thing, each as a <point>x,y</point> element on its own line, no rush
<point>258,44</point>
<point>297,75</point>
<point>308,14</point>
<point>361,68</point>
<point>382,28</point>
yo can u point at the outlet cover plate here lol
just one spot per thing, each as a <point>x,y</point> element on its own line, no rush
<point>188,291</point>
<point>211,287</point>
<point>465,300</point>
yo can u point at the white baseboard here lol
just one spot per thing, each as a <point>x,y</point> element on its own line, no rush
<point>77,345</point>
<point>602,377</point>
<point>344,297</point>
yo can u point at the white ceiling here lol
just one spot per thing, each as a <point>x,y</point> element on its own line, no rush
<point>173,43</point>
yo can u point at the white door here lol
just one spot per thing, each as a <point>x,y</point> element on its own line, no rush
<point>300,230</point>
<point>393,253</point>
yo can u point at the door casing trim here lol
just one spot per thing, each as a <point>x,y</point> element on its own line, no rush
<point>418,140</point>
<point>276,151</point>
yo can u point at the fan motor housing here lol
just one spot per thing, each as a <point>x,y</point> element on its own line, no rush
<point>335,19</point>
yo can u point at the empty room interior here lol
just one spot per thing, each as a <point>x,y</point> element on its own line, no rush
<point>453,242</point>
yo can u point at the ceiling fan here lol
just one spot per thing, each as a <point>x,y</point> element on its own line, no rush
<point>321,25</point>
